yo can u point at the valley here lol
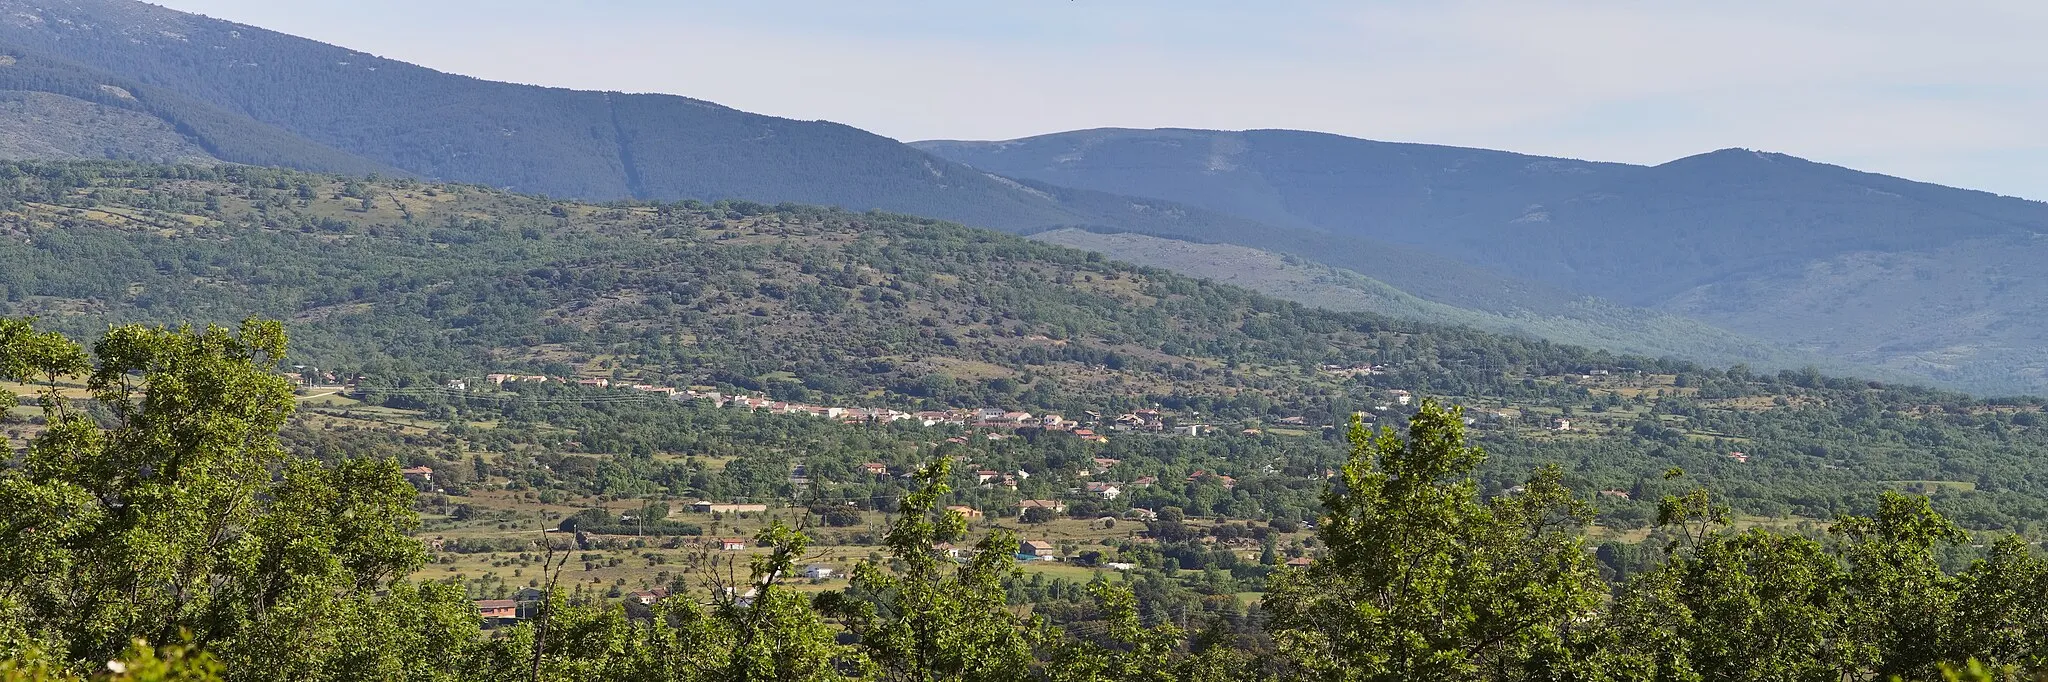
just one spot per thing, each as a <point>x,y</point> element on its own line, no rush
<point>320,362</point>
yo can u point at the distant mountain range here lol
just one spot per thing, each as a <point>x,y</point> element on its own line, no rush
<point>1859,267</point>
<point>1727,257</point>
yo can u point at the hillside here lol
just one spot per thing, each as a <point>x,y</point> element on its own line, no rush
<point>465,279</point>
<point>1584,322</point>
<point>412,284</point>
<point>59,109</point>
<point>1902,275</point>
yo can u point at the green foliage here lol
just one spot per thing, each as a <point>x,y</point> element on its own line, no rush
<point>1422,580</point>
<point>928,619</point>
<point>159,514</point>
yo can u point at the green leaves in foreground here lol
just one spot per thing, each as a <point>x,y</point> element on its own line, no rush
<point>1423,581</point>
<point>171,511</point>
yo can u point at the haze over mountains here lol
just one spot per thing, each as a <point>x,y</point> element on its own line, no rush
<point>1732,256</point>
<point>1850,265</point>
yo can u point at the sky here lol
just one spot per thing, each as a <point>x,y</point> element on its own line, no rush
<point>1950,92</point>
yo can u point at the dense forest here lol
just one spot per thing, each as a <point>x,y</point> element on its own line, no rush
<point>163,532</point>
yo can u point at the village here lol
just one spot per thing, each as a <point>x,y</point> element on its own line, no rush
<point>1092,426</point>
<point>1039,547</point>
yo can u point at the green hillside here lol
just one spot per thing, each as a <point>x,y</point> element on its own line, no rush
<point>411,284</point>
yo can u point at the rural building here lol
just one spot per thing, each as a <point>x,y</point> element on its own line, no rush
<point>725,507</point>
<point>1037,548</point>
<point>875,469</point>
<point>969,512</point>
<point>732,544</point>
<point>497,610</point>
<point>1104,490</point>
<point>418,474</point>
<point>648,597</point>
<point>1055,505</point>
<point>819,571</point>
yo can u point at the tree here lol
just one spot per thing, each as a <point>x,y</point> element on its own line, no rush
<point>1037,515</point>
<point>929,619</point>
<point>179,514</point>
<point>2001,614</point>
<point>1899,606</point>
<point>1754,605</point>
<point>1741,606</point>
<point>1424,581</point>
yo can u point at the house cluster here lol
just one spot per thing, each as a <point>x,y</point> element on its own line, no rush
<point>1353,370</point>
<point>987,417</point>
<point>1092,426</point>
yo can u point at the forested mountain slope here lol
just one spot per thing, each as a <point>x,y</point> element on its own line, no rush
<point>468,279</point>
<point>1858,267</point>
<point>60,109</point>
<point>411,283</point>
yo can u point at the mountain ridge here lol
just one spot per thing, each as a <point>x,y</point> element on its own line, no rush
<point>1708,236</point>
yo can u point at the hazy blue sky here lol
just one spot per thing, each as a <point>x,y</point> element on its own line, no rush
<point>1951,92</point>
